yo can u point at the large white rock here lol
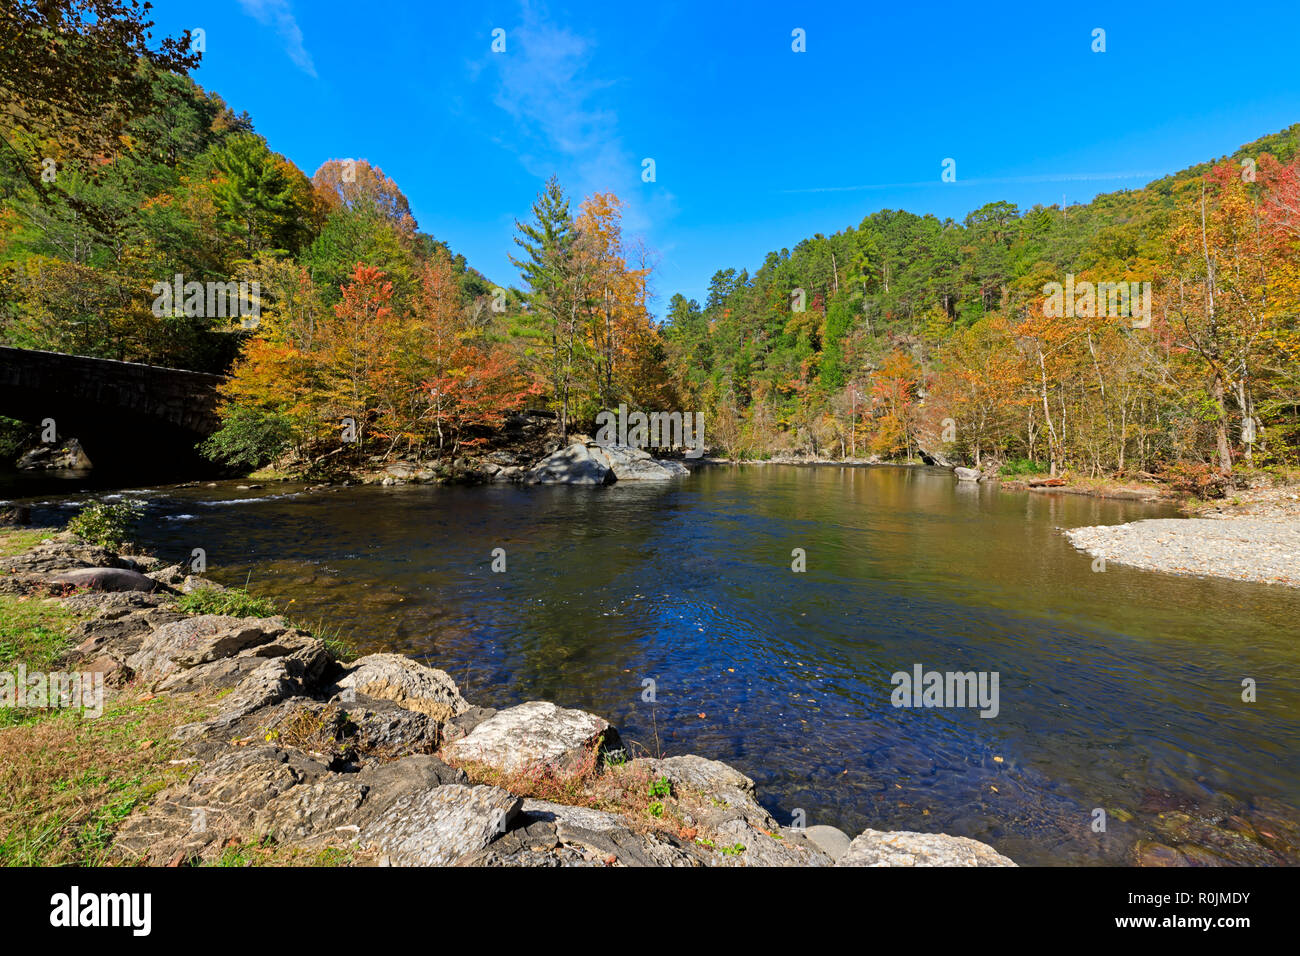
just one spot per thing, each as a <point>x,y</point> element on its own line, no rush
<point>966,474</point>
<point>530,735</point>
<point>905,848</point>
<point>636,464</point>
<point>579,464</point>
<point>407,683</point>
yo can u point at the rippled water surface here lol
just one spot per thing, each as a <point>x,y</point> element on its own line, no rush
<point>1119,690</point>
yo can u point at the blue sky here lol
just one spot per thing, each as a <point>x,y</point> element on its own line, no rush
<point>755,146</point>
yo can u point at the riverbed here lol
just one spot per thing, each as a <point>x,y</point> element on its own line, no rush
<point>674,610</point>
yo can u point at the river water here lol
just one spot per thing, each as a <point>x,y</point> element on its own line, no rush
<point>1119,690</point>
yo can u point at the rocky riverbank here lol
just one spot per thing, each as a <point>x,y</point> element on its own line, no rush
<point>1252,536</point>
<point>381,760</point>
<point>1243,548</point>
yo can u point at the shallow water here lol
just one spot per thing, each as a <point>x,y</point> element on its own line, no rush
<point>1118,690</point>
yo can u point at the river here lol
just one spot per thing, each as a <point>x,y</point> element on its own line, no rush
<point>1119,690</point>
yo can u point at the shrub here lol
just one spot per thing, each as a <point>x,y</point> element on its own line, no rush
<point>1195,478</point>
<point>108,526</point>
<point>1022,466</point>
<point>248,437</point>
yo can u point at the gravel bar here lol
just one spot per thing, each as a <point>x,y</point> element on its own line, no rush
<point>1266,550</point>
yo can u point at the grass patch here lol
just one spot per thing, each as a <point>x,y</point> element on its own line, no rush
<point>17,540</point>
<point>67,782</point>
<point>266,852</point>
<point>33,631</point>
<point>1018,467</point>
<point>236,602</point>
<point>332,636</point>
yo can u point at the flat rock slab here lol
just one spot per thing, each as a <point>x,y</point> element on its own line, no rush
<point>199,640</point>
<point>748,845</point>
<point>583,836</point>
<point>730,794</point>
<point>905,848</point>
<point>61,555</point>
<point>533,735</point>
<point>406,683</point>
<point>439,826</point>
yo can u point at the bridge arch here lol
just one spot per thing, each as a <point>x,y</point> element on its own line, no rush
<point>128,417</point>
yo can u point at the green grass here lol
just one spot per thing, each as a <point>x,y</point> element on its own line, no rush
<point>67,782</point>
<point>19,540</point>
<point>1022,466</point>
<point>236,602</point>
<point>33,631</point>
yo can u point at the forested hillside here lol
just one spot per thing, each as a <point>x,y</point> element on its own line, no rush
<point>920,330</point>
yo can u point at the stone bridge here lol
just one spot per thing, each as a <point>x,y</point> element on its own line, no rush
<point>128,417</point>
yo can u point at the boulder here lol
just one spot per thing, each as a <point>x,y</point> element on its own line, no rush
<point>323,806</point>
<point>16,515</point>
<point>437,827</point>
<point>405,682</point>
<point>106,579</point>
<point>579,464</point>
<point>172,574</point>
<point>68,455</point>
<point>192,582</point>
<point>97,602</point>
<point>394,778</point>
<point>832,841</point>
<point>462,724</point>
<point>117,632</point>
<point>905,848</point>
<point>583,837</point>
<point>931,456</point>
<point>192,641</point>
<point>966,474</point>
<point>533,735</point>
<point>728,794</point>
<point>636,464</point>
<point>383,727</point>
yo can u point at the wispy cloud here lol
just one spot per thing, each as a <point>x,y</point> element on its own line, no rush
<point>279,13</point>
<point>563,119</point>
